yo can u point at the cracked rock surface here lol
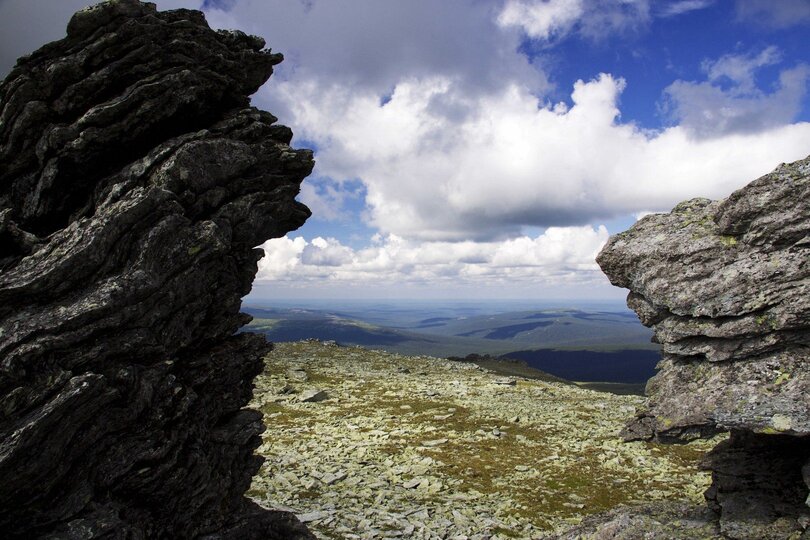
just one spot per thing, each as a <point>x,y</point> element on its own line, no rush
<point>135,181</point>
<point>726,287</point>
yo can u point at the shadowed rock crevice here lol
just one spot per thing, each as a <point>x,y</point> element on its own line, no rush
<point>726,287</point>
<point>135,181</point>
<point>757,484</point>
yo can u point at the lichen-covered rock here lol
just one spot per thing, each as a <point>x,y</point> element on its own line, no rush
<point>135,183</point>
<point>726,287</point>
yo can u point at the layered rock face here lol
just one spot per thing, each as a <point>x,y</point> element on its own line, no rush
<point>135,181</point>
<point>726,287</point>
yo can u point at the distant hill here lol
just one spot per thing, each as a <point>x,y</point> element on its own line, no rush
<point>344,331</point>
<point>415,331</point>
<point>573,344</point>
<point>627,366</point>
<point>509,367</point>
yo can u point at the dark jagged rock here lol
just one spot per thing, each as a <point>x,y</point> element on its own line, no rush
<point>726,287</point>
<point>757,485</point>
<point>135,183</point>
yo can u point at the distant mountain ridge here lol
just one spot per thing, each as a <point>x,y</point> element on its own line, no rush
<point>574,344</point>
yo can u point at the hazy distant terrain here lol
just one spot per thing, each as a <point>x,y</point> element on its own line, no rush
<point>573,343</point>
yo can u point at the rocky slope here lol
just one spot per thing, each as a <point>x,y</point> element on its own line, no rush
<point>726,287</point>
<point>368,444</point>
<point>135,181</point>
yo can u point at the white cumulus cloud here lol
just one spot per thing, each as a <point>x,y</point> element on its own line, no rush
<point>508,162</point>
<point>559,254</point>
<point>542,19</point>
<point>731,101</point>
<point>740,68</point>
<point>594,19</point>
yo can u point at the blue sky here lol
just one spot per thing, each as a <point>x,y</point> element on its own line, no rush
<point>472,149</point>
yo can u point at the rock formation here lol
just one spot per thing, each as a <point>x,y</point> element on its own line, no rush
<point>135,183</point>
<point>726,287</point>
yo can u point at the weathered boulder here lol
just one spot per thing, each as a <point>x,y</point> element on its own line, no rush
<point>135,183</point>
<point>726,287</point>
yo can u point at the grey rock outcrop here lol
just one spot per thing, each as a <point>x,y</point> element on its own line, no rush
<point>726,287</point>
<point>135,183</point>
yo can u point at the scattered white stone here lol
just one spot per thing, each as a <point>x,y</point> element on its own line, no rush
<point>286,389</point>
<point>308,484</point>
<point>312,396</point>
<point>330,478</point>
<point>312,516</point>
<point>412,483</point>
<point>297,374</point>
<point>435,442</point>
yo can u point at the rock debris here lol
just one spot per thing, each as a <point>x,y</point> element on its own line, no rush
<point>436,452</point>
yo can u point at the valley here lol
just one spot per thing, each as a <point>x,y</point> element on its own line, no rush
<point>587,345</point>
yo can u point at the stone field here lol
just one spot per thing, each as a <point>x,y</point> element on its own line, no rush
<point>367,444</point>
